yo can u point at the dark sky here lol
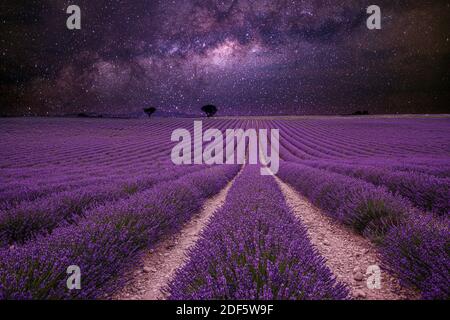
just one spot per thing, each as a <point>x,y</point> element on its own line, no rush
<point>246,56</point>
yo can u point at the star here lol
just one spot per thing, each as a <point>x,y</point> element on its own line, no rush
<point>245,56</point>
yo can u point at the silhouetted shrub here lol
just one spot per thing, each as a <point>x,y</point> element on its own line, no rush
<point>360,113</point>
<point>150,111</point>
<point>210,110</point>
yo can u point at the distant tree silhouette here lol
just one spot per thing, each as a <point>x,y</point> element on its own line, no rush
<point>210,110</point>
<point>89,115</point>
<point>360,113</point>
<point>150,111</point>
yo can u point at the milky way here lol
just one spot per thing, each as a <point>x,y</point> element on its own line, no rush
<point>247,57</point>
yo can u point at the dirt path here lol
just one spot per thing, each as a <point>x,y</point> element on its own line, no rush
<point>348,255</point>
<point>160,264</point>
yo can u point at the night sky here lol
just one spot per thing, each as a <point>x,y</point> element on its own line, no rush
<point>248,57</point>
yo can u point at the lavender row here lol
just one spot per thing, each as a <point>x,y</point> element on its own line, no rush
<point>97,148</point>
<point>15,194</point>
<point>33,180</point>
<point>370,210</point>
<point>392,137</point>
<point>406,236</point>
<point>107,242</point>
<point>12,194</point>
<point>57,145</point>
<point>29,219</point>
<point>418,251</point>
<point>430,166</point>
<point>357,138</point>
<point>254,248</point>
<point>44,184</point>
<point>426,192</point>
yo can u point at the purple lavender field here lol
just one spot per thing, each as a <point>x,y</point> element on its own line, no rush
<point>104,195</point>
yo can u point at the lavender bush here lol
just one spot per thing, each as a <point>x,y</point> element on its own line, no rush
<point>426,192</point>
<point>418,252</point>
<point>254,248</point>
<point>370,210</point>
<point>415,247</point>
<point>107,242</point>
<point>30,218</point>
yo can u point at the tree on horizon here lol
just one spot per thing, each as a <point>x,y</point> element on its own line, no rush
<point>210,110</point>
<point>150,111</point>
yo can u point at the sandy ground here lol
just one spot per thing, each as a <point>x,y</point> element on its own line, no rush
<point>348,255</point>
<point>160,264</point>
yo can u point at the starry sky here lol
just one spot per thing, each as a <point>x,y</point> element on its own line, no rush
<point>248,57</point>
